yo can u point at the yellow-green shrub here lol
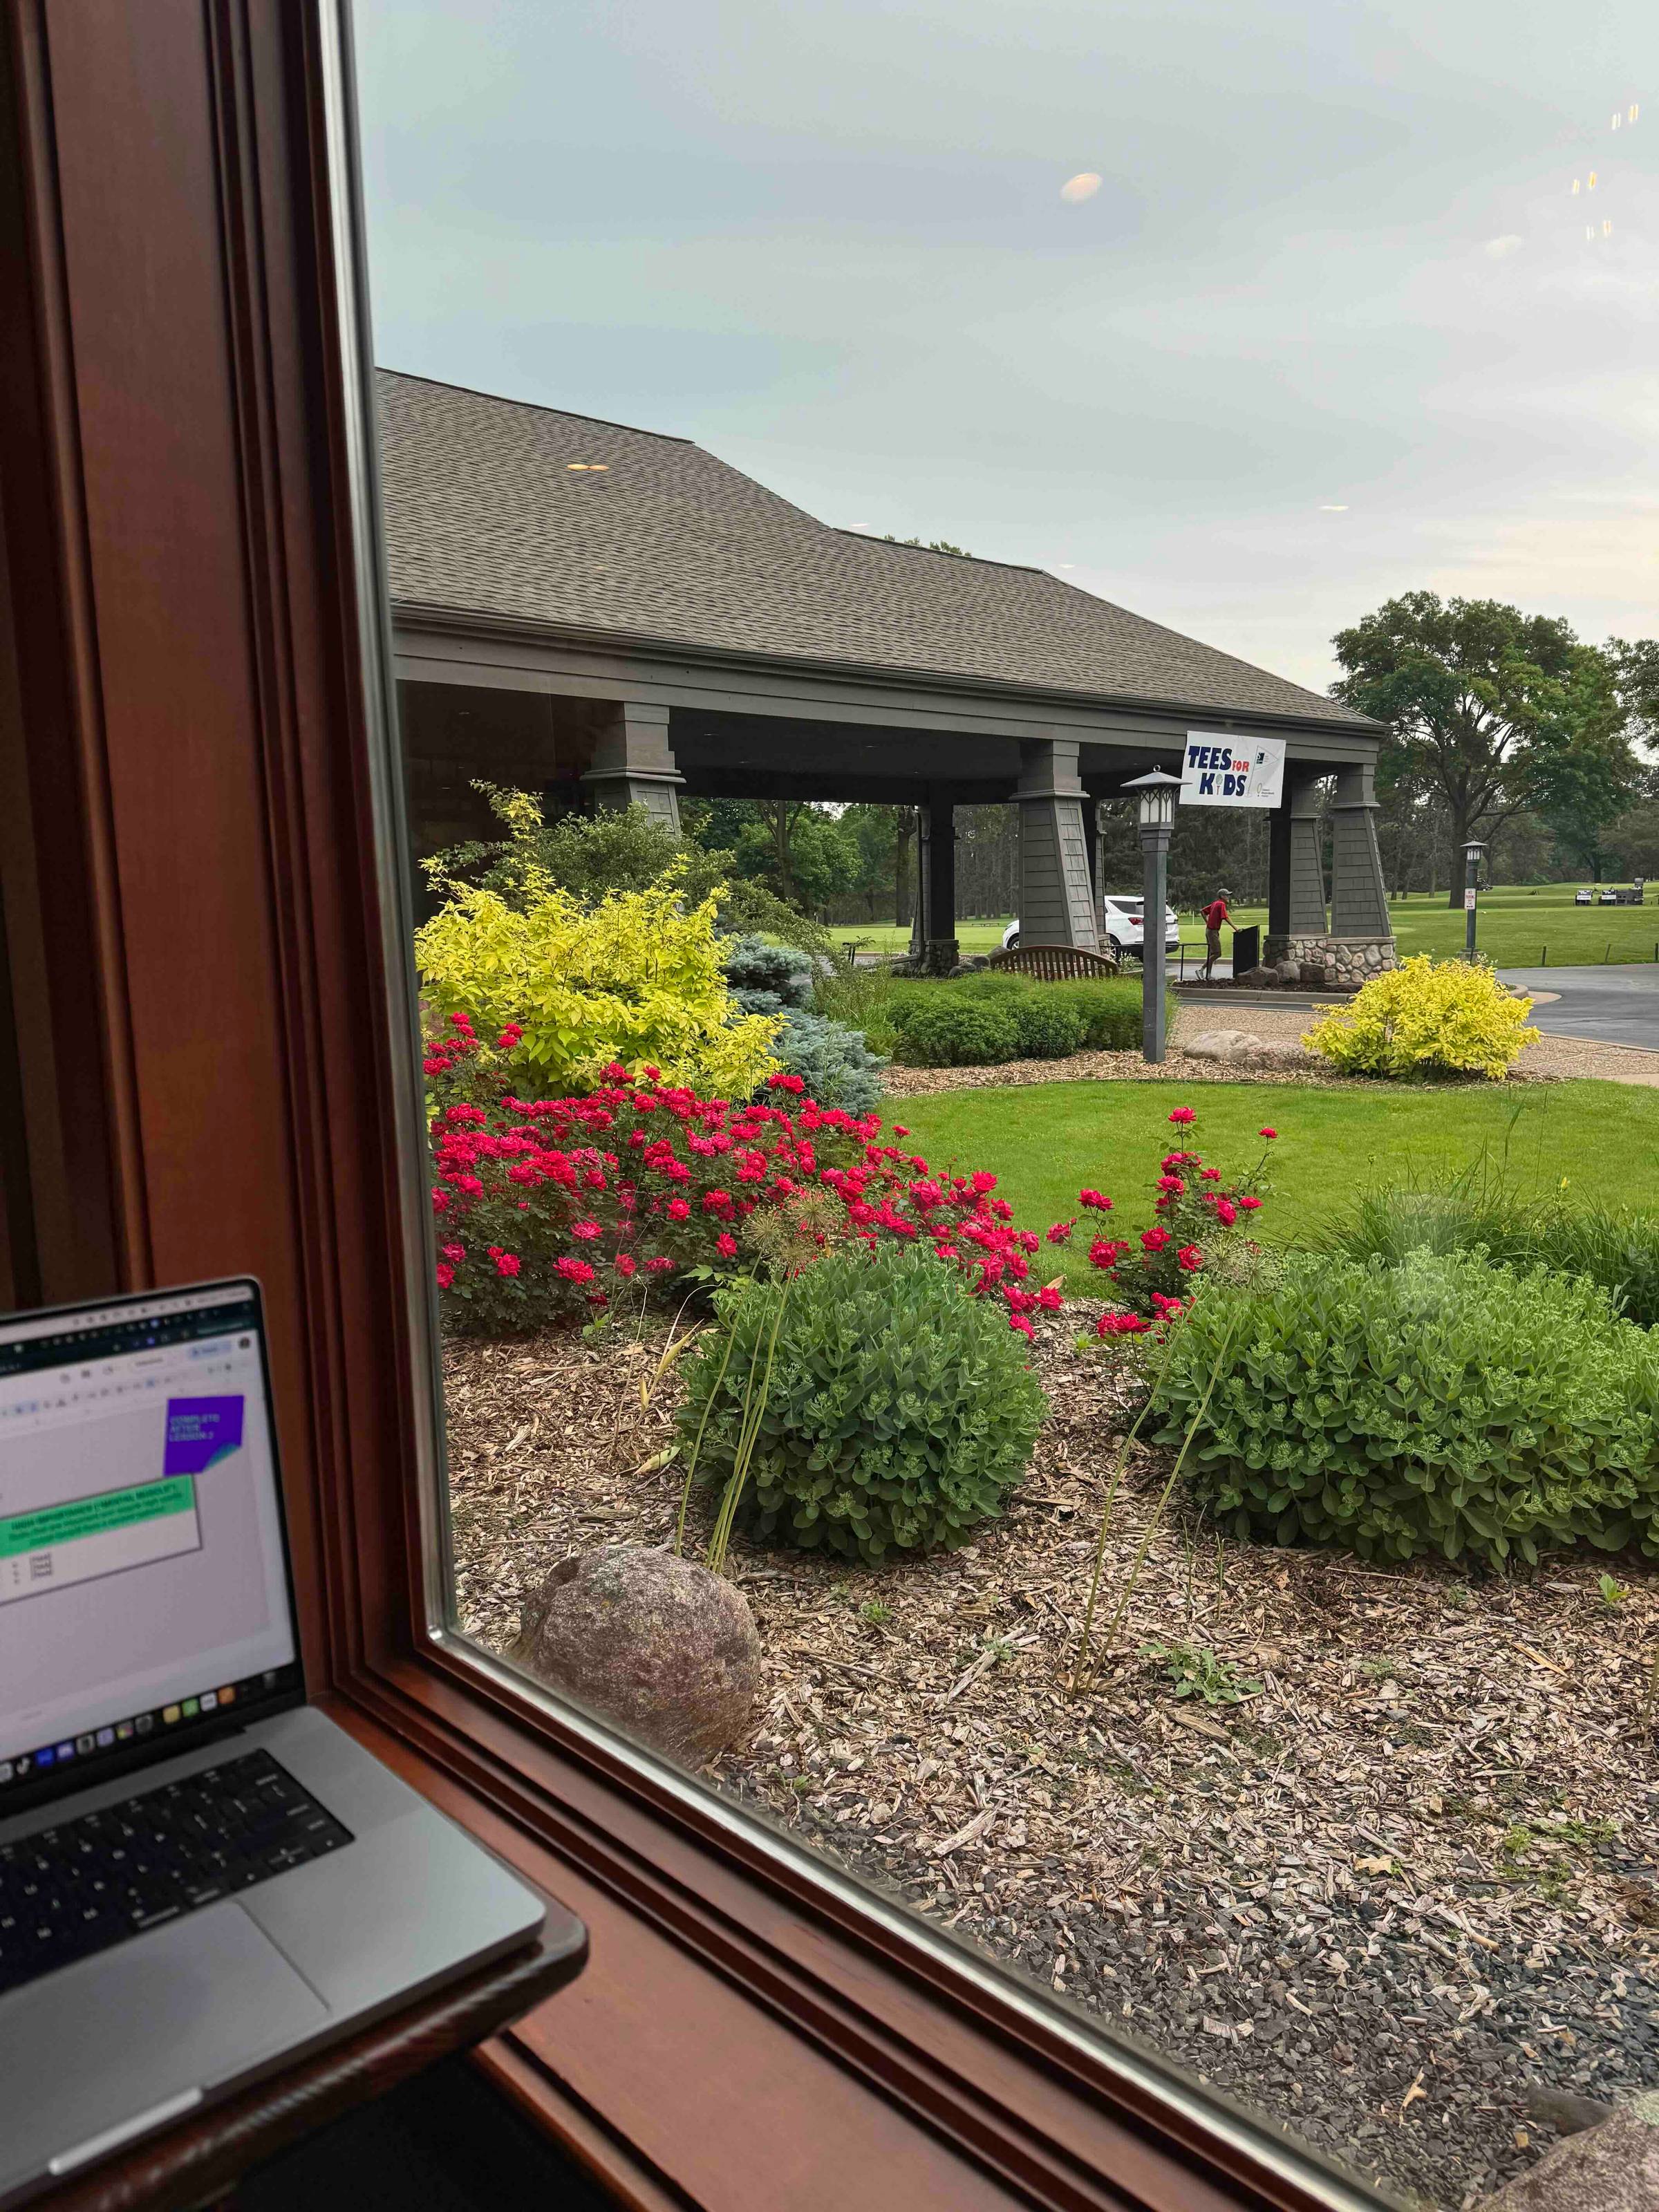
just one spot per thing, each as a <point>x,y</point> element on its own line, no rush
<point>636,979</point>
<point>1426,1018</point>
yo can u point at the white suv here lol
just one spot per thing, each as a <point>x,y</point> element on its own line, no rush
<point>1123,917</point>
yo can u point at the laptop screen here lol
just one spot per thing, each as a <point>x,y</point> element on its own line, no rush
<point>144,1595</point>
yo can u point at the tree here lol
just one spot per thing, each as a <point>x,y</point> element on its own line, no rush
<point>1493,710</point>
<point>592,856</point>
<point>931,546</point>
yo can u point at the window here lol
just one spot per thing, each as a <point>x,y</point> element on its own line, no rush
<point>1304,1856</point>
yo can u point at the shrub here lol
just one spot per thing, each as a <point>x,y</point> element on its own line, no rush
<point>897,1413</point>
<point>835,1062</point>
<point>946,1029</point>
<point>767,979</point>
<point>549,1209</point>
<point>1110,1011</point>
<point>1049,1019</point>
<point>1048,1027</point>
<point>1425,1019</point>
<point>1442,1405</point>
<point>636,979</point>
<point>1614,1247</point>
<point>593,855</point>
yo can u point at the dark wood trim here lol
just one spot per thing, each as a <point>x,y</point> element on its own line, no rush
<point>224,1064</point>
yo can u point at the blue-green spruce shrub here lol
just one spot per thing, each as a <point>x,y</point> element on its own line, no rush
<point>835,1064</point>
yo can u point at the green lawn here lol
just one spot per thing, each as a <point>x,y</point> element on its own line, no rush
<point>1518,924</point>
<point>1045,1141</point>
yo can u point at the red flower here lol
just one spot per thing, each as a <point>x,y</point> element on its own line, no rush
<point>1121,1324</point>
<point>1248,1205</point>
<point>1107,1251</point>
<point>660,1266</point>
<point>626,1263</point>
<point>1059,1232</point>
<point>587,1230</point>
<point>506,1264</point>
<point>1019,1322</point>
<point>1154,1239</point>
<point>678,1210</point>
<point>1268,1133</point>
<point>1180,1114</point>
<point>1048,1297</point>
<point>1096,1199</point>
<point>1190,1258</point>
<point>899,1129</point>
<point>1210,1175</point>
<point>1226,1212</point>
<point>446,1274</point>
<point>573,1271</point>
<point>726,1246</point>
<point>1171,1183</point>
<point>509,1036</point>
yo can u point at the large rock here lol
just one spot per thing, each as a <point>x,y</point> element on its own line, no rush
<point>1613,2167</point>
<point>1222,1044</point>
<point>660,1646</point>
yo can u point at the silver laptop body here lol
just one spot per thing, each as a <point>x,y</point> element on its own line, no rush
<point>147,1633</point>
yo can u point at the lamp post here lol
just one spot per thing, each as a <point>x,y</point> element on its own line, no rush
<point>1155,799</point>
<point>1472,853</point>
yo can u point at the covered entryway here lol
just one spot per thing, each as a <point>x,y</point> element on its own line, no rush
<point>613,618</point>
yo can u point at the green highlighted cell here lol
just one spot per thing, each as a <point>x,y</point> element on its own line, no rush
<point>96,1516</point>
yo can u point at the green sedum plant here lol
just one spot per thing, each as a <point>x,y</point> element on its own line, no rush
<point>897,1411</point>
<point>1440,1405</point>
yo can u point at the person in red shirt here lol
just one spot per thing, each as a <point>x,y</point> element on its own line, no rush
<point>1214,915</point>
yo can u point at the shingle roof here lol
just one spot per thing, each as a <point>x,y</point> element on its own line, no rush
<point>495,507</point>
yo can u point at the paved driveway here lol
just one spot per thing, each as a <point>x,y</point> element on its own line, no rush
<point>1615,1005</point>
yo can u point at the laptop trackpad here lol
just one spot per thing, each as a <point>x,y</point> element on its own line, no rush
<point>109,2038</point>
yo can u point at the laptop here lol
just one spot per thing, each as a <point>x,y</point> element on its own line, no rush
<point>201,1876</point>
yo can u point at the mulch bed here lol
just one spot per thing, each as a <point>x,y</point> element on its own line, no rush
<point>1406,1887</point>
<point>1109,1068</point>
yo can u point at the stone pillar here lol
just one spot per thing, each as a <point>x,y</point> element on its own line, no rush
<point>633,765</point>
<point>1056,904</point>
<point>940,950</point>
<point>1295,875</point>
<point>1359,899</point>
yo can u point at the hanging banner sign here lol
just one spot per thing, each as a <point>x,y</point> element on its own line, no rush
<point>1219,769</point>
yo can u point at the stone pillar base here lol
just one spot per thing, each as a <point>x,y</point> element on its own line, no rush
<point>1343,963</point>
<point>940,955</point>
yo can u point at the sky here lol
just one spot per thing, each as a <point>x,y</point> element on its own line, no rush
<point>1335,323</point>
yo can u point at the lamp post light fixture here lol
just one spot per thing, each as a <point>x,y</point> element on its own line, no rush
<point>1155,800</point>
<point>1472,852</point>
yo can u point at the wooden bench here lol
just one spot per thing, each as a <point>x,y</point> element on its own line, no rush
<point>1054,963</point>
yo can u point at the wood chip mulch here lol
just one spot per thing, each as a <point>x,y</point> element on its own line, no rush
<point>1397,1895</point>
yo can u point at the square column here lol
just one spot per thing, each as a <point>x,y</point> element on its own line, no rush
<point>1359,899</point>
<point>1056,899</point>
<point>1295,874</point>
<point>940,950</point>
<point>633,765</point>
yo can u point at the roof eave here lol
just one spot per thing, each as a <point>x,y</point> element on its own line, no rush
<point>423,615</point>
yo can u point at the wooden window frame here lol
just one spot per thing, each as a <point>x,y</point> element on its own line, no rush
<point>205,1068</point>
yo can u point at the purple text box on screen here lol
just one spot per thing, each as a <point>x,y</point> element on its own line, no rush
<point>200,1431</point>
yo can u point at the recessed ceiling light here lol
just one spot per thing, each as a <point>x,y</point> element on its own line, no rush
<point>1079,188</point>
<point>596,468</point>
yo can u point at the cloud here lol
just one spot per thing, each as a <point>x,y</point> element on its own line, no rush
<point>1499,249</point>
<point>1080,187</point>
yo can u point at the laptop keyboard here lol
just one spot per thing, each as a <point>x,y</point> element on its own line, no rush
<point>91,1882</point>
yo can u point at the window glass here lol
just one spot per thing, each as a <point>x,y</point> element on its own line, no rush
<point>1144,1451</point>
